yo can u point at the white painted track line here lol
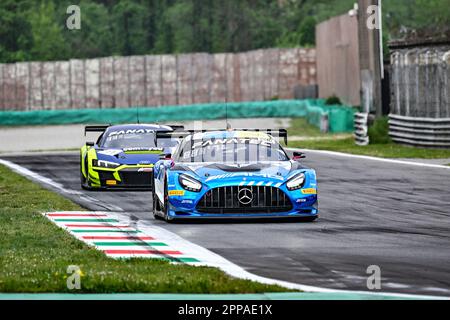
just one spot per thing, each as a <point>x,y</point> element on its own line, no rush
<point>393,161</point>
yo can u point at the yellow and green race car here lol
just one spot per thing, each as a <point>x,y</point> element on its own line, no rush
<point>123,156</point>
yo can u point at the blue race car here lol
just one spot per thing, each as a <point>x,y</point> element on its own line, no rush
<point>123,156</point>
<point>233,174</point>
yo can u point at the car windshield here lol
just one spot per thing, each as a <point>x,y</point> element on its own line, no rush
<point>167,143</point>
<point>232,150</point>
<point>130,140</point>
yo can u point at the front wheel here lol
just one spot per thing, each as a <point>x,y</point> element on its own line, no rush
<point>83,180</point>
<point>156,206</point>
<point>309,219</point>
<point>165,209</point>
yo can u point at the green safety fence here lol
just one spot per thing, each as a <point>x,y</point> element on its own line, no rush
<point>340,118</point>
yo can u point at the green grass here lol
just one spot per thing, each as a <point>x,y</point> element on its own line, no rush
<point>301,128</point>
<point>35,254</point>
<point>382,146</point>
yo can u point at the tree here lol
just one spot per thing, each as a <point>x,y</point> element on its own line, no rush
<point>128,27</point>
<point>16,39</point>
<point>95,38</point>
<point>307,32</point>
<point>48,41</point>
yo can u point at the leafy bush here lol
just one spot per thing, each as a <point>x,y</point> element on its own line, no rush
<point>333,100</point>
<point>379,131</point>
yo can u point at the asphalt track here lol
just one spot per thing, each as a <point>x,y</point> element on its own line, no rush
<point>395,216</point>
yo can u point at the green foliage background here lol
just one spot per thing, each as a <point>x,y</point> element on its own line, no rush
<point>36,29</point>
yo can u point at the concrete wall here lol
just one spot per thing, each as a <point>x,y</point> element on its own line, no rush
<point>121,82</point>
<point>338,67</point>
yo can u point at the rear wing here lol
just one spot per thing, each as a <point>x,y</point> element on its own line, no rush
<point>281,133</point>
<point>176,127</point>
<point>95,128</point>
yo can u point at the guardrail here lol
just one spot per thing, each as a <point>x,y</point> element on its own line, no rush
<point>361,129</point>
<point>422,132</point>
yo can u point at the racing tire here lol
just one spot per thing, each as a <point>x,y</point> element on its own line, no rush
<point>83,179</point>
<point>156,206</point>
<point>309,219</point>
<point>165,208</point>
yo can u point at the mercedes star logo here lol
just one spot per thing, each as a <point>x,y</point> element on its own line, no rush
<point>245,196</point>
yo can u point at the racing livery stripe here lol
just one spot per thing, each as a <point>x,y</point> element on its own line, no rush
<point>268,184</point>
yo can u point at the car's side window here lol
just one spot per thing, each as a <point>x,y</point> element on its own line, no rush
<point>178,151</point>
<point>99,139</point>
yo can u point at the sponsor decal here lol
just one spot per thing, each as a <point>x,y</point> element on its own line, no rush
<point>131,131</point>
<point>250,134</point>
<point>245,174</point>
<point>187,201</point>
<point>111,182</point>
<point>145,170</point>
<point>143,149</point>
<point>173,193</point>
<point>309,191</point>
<point>110,152</point>
<point>243,141</point>
<point>301,200</point>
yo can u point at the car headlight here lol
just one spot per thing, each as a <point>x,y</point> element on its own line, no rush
<point>296,182</point>
<point>105,164</point>
<point>189,183</point>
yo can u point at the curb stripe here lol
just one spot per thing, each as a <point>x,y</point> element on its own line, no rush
<point>117,238</point>
<point>184,260</point>
<point>86,220</point>
<point>94,226</point>
<point>109,230</point>
<point>138,244</point>
<point>75,215</point>
<point>142,252</point>
<point>122,246</point>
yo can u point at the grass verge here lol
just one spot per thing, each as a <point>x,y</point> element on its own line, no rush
<point>383,148</point>
<point>35,254</point>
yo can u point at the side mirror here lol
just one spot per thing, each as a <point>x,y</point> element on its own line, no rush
<point>90,144</point>
<point>298,155</point>
<point>166,157</point>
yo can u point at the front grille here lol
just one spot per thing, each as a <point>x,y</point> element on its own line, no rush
<point>226,200</point>
<point>134,178</point>
<point>105,175</point>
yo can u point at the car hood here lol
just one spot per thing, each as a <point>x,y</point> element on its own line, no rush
<point>273,170</point>
<point>131,156</point>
